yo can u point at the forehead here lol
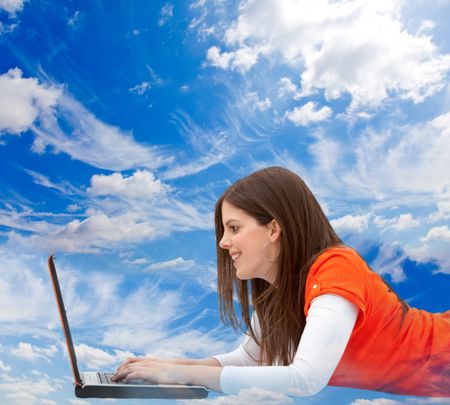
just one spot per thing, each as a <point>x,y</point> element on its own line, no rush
<point>231,212</point>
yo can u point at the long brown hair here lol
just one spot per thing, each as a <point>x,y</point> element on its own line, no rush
<point>274,193</point>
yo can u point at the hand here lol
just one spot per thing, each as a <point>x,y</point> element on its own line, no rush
<point>151,370</point>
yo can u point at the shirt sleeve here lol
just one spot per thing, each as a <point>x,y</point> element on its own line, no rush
<point>329,325</point>
<point>248,352</point>
<point>341,272</point>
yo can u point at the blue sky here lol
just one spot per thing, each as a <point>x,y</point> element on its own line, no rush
<point>122,122</point>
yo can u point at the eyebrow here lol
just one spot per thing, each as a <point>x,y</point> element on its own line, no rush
<point>231,220</point>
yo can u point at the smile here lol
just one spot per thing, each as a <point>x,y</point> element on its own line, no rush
<point>235,256</point>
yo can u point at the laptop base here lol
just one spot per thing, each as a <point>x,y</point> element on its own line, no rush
<point>121,391</point>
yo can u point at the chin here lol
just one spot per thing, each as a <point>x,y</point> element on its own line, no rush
<point>243,277</point>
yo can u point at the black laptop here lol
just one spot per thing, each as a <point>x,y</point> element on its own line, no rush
<point>94,384</point>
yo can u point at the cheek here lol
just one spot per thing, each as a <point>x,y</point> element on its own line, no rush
<point>254,242</point>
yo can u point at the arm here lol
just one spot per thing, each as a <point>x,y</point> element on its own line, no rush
<point>247,354</point>
<point>204,372</point>
<point>210,361</point>
<point>329,325</point>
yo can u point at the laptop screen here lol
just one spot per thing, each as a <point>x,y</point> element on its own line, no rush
<point>64,322</point>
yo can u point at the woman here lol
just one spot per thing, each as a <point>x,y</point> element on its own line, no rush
<point>320,314</point>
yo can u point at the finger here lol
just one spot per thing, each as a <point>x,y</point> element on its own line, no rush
<point>139,360</point>
<point>121,373</point>
<point>118,376</point>
<point>129,368</point>
<point>126,361</point>
<point>130,360</point>
<point>138,375</point>
<point>129,373</point>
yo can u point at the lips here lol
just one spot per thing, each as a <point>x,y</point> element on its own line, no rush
<point>235,257</point>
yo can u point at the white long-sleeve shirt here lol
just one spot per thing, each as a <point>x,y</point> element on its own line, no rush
<point>329,324</point>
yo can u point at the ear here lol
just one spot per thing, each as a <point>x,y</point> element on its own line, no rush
<point>275,231</point>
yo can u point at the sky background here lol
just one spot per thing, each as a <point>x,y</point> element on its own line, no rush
<point>122,122</point>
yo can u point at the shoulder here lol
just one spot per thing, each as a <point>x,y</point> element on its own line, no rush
<point>338,270</point>
<point>336,258</point>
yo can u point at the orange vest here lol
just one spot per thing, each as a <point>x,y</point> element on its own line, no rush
<point>383,354</point>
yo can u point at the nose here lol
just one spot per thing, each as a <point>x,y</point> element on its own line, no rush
<point>224,243</point>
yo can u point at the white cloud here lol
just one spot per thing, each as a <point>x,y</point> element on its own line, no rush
<point>98,231</point>
<point>424,401</point>
<point>31,352</point>
<point>48,402</point>
<point>140,185</point>
<point>166,13</point>
<point>100,306</point>
<point>204,275</point>
<point>142,322</point>
<point>245,57</point>
<point>405,221</point>
<point>95,358</point>
<point>351,223</point>
<point>377,401</point>
<point>442,205</point>
<point>286,87</point>
<point>92,141</point>
<point>42,180</point>
<point>4,367</point>
<point>25,220</point>
<point>28,391</point>
<point>425,27</point>
<point>387,401</point>
<point>308,113</point>
<point>361,48</point>
<point>255,103</point>
<point>23,100</point>
<point>146,85</point>
<point>389,261</point>
<point>219,59</point>
<point>79,402</point>
<point>26,104</point>
<point>63,187</point>
<point>101,231</point>
<point>154,78</point>
<point>12,6</point>
<point>194,166</point>
<point>75,19</point>
<point>383,167</point>
<point>400,223</point>
<point>242,59</point>
<point>175,264</point>
<point>329,157</point>
<point>141,88</point>
<point>121,211</point>
<point>252,396</point>
<point>138,262</point>
<point>142,318</point>
<point>134,320</point>
<point>24,294</point>
<point>432,251</point>
<point>187,344</point>
<point>209,147</point>
<point>437,233</point>
<point>73,208</point>
<point>7,28</point>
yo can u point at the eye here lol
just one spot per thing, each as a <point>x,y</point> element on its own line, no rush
<point>233,228</point>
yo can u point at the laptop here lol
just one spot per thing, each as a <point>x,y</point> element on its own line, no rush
<point>98,384</point>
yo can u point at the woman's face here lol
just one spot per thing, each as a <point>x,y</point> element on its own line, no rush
<point>252,247</point>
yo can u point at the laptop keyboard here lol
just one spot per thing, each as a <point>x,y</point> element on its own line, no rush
<point>105,378</point>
